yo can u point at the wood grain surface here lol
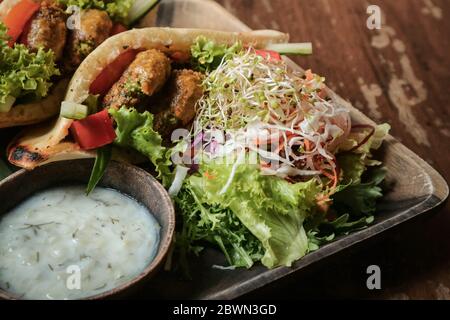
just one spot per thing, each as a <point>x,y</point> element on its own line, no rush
<point>399,74</point>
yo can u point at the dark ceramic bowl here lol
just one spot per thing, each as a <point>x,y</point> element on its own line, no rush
<point>125,178</point>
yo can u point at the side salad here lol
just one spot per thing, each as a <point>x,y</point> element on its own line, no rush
<point>319,181</point>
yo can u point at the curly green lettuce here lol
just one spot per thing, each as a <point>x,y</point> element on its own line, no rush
<point>207,55</point>
<point>117,9</point>
<point>267,219</point>
<point>360,199</point>
<point>271,209</point>
<point>24,73</point>
<point>202,222</point>
<point>135,130</point>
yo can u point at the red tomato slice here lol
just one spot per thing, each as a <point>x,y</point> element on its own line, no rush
<point>23,39</point>
<point>18,17</point>
<point>269,55</point>
<point>112,72</point>
<point>94,131</point>
<point>118,28</point>
<point>180,57</point>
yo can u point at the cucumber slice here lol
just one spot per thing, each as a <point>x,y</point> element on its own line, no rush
<point>72,110</point>
<point>5,107</point>
<point>139,9</point>
<point>304,48</point>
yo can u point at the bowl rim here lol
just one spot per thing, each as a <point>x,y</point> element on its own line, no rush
<point>165,244</point>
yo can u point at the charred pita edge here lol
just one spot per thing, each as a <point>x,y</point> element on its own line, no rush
<point>21,153</point>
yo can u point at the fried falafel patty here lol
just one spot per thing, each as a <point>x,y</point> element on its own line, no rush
<point>95,27</point>
<point>184,90</point>
<point>47,29</point>
<point>145,76</point>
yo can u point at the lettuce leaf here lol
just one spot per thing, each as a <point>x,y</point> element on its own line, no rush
<point>357,199</point>
<point>328,230</point>
<point>272,209</point>
<point>374,143</point>
<point>280,215</point>
<point>344,224</point>
<point>354,206</point>
<point>23,73</point>
<point>214,224</point>
<point>135,130</point>
<point>360,199</point>
<point>117,9</point>
<point>207,55</point>
<point>354,164</point>
<point>83,4</point>
<point>354,201</point>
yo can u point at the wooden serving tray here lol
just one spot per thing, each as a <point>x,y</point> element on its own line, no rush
<point>416,188</point>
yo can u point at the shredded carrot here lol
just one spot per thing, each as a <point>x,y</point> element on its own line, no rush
<point>308,145</point>
<point>333,176</point>
<point>323,202</point>
<point>290,134</point>
<point>265,164</point>
<point>209,176</point>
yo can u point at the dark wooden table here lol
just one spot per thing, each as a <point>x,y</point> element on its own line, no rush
<point>399,74</point>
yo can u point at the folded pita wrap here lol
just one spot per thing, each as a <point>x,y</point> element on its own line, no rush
<point>47,143</point>
<point>35,112</point>
<point>29,113</point>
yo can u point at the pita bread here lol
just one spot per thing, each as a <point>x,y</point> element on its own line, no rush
<point>30,113</point>
<point>47,143</point>
<point>35,112</point>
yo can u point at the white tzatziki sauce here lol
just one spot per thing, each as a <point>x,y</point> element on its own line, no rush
<point>62,244</point>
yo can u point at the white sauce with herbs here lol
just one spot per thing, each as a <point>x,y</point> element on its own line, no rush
<point>109,237</point>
